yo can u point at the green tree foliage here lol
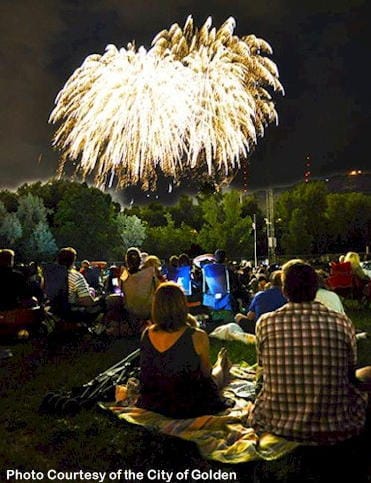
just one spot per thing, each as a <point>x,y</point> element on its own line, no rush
<point>302,218</point>
<point>311,221</point>
<point>86,220</point>
<point>10,230</point>
<point>132,232</point>
<point>31,211</point>
<point>9,200</point>
<point>154,214</point>
<point>188,211</point>
<point>167,240</point>
<point>3,211</point>
<point>37,242</point>
<point>41,246</point>
<point>225,226</point>
<point>349,221</point>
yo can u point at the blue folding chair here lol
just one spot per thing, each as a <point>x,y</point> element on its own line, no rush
<point>216,287</point>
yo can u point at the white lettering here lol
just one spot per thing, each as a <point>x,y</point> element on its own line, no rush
<point>26,475</point>
<point>211,475</point>
<point>161,475</point>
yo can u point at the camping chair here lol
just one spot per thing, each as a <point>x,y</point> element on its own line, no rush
<point>346,283</point>
<point>216,291</point>
<point>341,279</point>
<point>181,276</point>
<point>21,321</point>
<point>56,289</point>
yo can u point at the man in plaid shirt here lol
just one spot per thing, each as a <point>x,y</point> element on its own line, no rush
<point>308,355</point>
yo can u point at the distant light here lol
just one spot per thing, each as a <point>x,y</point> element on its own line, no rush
<point>355,172</point>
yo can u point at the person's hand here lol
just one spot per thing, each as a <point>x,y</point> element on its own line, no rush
<point>238,317</point>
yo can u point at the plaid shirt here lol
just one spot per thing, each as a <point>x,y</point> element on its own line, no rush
<point>308,355</point>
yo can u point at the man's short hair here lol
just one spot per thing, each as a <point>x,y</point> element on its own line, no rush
<point>6,257</point>
<point>220,255</point>
<point>66,256</point>
<point>300,281</point>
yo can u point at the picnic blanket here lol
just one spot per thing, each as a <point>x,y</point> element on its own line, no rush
<point>225,437</point>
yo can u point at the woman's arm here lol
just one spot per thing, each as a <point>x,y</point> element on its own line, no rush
<point>201,345</point>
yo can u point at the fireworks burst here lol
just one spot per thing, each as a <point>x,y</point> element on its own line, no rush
<point>197,100</point>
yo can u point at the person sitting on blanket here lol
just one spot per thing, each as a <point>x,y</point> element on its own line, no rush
<point>176,376</point>
<point>307,356</point>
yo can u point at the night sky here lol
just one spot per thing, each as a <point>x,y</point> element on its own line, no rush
<point>321,48</point>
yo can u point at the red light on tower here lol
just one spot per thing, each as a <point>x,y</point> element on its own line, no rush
<point>307,169</point>
<point>245,172</point>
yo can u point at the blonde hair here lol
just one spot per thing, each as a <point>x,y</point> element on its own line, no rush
<point>152,261</point>
<point>353,259</point>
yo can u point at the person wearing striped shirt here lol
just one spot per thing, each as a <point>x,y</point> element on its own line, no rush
<point>78,289</point>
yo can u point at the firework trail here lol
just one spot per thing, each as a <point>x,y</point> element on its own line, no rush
<point>196,101</point>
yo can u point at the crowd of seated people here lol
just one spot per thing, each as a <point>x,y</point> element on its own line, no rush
<point>214,284</point>
<point>294,308</point>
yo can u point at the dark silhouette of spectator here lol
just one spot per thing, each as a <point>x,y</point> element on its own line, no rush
<point>92,275</point>
<point>171,269</point>
<point>13,287</point>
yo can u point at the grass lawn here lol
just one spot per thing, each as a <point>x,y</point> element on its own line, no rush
<point>91,440</point>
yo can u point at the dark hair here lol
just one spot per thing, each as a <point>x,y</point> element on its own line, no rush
<point>6,257</point>
<point>220,256</point>
<point>300,281</point>
<point>133,258</point>
<point>184,260</point>
<point>169,307</point>
<point>66,256</point>
<point>174,261</point>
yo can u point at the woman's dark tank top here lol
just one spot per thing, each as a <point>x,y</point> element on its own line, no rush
<point>172,382</point>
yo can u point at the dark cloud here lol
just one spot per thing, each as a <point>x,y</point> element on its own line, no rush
<point>320,47</point>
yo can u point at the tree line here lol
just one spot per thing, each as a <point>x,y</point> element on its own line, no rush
<point>39,218</point>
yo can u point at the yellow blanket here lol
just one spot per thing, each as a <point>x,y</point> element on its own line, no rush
<point>225,437</point>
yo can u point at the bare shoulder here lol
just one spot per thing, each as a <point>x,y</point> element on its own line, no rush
<point>199,334</point>
<point>200,340</point>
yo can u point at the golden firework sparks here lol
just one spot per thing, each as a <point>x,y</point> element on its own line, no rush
<point>199,98</point>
